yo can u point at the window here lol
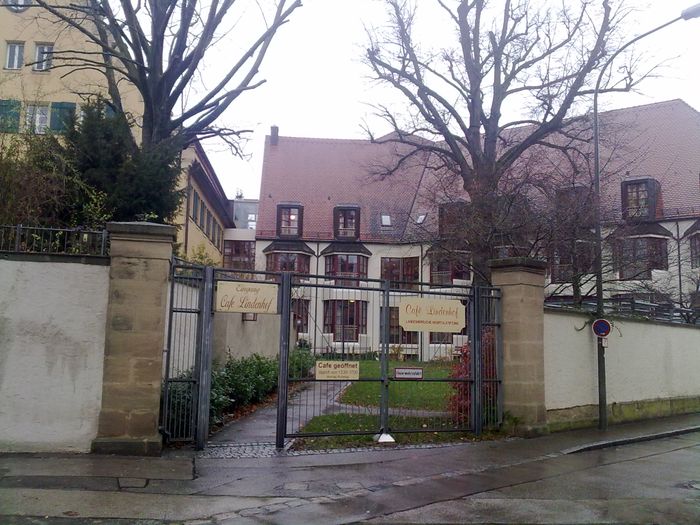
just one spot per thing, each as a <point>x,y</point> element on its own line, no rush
<point>202,214</point>
<point>386,220</point>
<point>209,221</point>
<point>239,255</point>
<point>420,219</point>
<point>638,256</point>
<point>288,262</point>
<point>571,260</point>
<point>444,271</point>
<point>346,223</point>
<point>440,338</point>
<point>43,57</point>
<point>252,221</point>
<point>17,5</point>
<point>300,315</point>
<point>339,266</point>
<point>37,118</point>
<point>637,200</point>
<point>289,221</point>
<point>397,335</point>
<point>15,55</point>
<point>247,316</point>
<point>695,251</point>
<point>640,199</point>
<point>195,205</point>
<point>346,320</point>
<point>62,113</point>
<point>402,272</point>
<point>9,116</point>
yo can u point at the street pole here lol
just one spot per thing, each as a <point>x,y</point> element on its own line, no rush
<point>691,12</point>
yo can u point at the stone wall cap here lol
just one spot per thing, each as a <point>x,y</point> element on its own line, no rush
<point>525,263</point>
<point>142,228</point>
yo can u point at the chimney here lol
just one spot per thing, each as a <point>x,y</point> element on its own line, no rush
<point>274,135</point>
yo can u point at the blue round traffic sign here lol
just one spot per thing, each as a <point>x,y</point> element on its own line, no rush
<point>601,327</point>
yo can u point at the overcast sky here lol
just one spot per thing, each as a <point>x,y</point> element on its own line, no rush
<point>318,87</point>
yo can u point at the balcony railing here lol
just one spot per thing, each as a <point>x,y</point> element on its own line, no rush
<point>53,241</point>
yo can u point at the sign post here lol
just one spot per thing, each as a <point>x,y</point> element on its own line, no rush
<point>601,329</point>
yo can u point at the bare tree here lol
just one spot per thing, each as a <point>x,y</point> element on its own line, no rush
<point>511,55</point>
<point>159,48</point>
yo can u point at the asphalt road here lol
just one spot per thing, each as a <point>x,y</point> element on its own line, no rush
<point>535,481</point>
<point>652,482</point>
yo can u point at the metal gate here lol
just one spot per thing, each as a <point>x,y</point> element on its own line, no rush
<point>407,381</point>
<point>187,356</point>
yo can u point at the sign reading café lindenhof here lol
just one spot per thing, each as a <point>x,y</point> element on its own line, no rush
<point>431,315</point>
<point>242,297</point>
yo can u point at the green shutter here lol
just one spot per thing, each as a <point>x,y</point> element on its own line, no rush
<point>9,116</point>
<point>61,114</point>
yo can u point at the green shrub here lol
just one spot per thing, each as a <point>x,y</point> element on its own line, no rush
<point>300,362</point>
<point>241,382</point>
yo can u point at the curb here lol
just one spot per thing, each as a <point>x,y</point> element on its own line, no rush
<point>627,441</point>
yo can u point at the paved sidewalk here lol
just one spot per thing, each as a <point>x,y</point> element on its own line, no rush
<point>322,488</point>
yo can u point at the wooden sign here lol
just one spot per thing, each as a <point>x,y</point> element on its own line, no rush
<point>337,370</point>
<point>431,315</point>
<point>246,297</point>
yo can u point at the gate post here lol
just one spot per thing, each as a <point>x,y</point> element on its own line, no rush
<point>384,436</point>
<point>204,359</point>
<point>521,281</point>
<point>134,340</point>
<point>475,320</point>
<point>285,301</point>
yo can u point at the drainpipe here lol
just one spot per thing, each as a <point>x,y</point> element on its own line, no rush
<point>187,211</point>
<point>678,253</point>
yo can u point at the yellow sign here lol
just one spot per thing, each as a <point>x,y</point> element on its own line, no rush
<point>431,315</point>
<point>254,298</point>
<point>338,370</point>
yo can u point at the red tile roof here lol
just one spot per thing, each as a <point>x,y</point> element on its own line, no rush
<point>660,141</point>
<point>320,174</point>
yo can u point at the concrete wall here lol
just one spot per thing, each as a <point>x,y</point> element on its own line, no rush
<point>234,337</point>
<point>652,368</point>
<point>52,335</point>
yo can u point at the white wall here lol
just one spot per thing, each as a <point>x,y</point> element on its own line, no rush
<point>52,337</point>
<point>644,361</point>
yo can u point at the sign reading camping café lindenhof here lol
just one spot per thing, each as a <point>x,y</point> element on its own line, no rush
<point>246,297</point>
<point>431,315</point>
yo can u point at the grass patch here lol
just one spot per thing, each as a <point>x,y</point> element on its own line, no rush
<point>362,422</point>
<point>419,395</point>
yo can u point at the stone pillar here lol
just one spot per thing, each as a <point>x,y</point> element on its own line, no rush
<point>136,318</point>
<point>521,281</point>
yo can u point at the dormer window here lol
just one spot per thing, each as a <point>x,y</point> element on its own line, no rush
<point>346,222</point>
<point>640,199</point>
<point>289,220</point>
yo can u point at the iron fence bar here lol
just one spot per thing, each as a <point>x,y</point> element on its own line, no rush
<point>384,360</point>
<point>196,372</point>
<point>18,235</point>
<point>204,378</point>
<point>165,409</point>
<point>499,356</point>
<point>282,384</point>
